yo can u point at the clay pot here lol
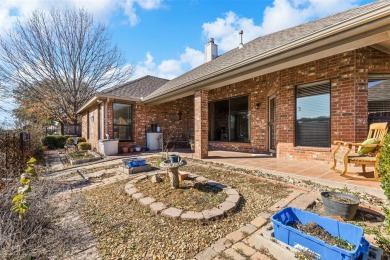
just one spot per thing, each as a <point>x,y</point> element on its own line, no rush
<point>125,149</point>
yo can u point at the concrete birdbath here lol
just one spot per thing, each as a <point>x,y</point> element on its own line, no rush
<point>174,171</point>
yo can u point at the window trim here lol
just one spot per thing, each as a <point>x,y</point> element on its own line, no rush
<point>131,125</point>
<point>307,85</point>
<point>229,121</point>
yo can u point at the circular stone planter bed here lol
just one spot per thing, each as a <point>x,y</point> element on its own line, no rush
<point>230,196</point>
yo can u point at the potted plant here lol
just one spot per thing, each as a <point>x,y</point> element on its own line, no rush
<point>340,204</point>
<point>125,149</point>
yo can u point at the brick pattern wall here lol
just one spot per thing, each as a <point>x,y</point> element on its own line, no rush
<point>201,123</point>
<point>165,115</point>
<point>348,75</point>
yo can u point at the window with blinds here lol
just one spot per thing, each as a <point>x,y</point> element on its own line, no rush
<point>378,98</point>
<point>312,125</point>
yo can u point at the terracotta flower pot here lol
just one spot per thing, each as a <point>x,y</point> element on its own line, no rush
<point>125,149</point>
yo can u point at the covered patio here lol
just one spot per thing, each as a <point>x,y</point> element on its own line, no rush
<point>314,171</point>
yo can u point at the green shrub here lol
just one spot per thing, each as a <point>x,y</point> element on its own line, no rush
<point>81,140</point>
<point>384,170</point>
<point>84,146</point>
<point>55,141</point>
<point>70,141</point>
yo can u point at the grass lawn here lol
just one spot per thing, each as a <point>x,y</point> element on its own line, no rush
<point>125,229</point>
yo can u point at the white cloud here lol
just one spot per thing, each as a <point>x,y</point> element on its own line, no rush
<point>280,15</point>
<point>11,10</point>
<point>169,68</point>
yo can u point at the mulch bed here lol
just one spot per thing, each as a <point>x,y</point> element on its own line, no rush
<point>125,229</point>
<point>186,197</point>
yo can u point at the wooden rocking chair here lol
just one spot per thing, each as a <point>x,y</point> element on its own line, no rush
<point>345,153</point>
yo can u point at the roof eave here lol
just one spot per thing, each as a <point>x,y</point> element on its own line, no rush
<point>100,96</point>
<point>377,19</point>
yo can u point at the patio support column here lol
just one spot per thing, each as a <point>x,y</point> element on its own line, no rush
<point>201,107</point>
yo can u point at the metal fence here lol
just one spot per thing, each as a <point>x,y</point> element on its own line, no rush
<point>67,130</point>
<point>14,153</point>
<point>72,130</point>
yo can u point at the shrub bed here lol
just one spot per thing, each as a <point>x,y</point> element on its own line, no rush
<point>55,141</point>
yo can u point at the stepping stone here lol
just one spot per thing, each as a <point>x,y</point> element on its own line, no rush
<point>212,213</point>
<point>226,206</point>
<point>192,215</point>
<point>248,229</point>
<point>231,192</point>
<point>233,198</point>
<point>147,200</point>
<point>157,207</point>
<point>221,245</point>
<point>137,196</point>
<point>131,191</point>
<point>172,212</point>
<point>244,249</point>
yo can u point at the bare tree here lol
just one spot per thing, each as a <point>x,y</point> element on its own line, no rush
<point>60,59</point>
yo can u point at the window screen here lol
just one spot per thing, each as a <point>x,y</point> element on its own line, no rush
<point>313,115</point>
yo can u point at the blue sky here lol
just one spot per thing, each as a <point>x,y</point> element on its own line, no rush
<point>166,38</point>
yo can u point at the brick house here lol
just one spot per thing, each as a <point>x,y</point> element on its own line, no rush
<point>291,93</point>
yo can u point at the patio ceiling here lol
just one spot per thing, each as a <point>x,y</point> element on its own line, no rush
<point>383,46</point>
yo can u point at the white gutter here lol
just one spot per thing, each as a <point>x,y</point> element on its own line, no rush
<point>102,96</point>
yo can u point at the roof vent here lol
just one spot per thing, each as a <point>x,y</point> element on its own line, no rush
<point>210,50</point>
<point>241,44</point>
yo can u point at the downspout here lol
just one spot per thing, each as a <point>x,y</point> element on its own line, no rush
<point>106,119</point>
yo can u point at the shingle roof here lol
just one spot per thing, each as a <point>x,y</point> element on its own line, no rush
<point>260,46</point>
<point>136,89</point>
<point>380,91</point>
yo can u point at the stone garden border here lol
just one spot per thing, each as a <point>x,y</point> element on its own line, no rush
<point>96,157</point>
<point>156,207</point>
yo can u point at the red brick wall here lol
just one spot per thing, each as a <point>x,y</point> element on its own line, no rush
<point>348,75</point>
<point>165,115</point>
<point>201,123</point>
<point>93,126</point>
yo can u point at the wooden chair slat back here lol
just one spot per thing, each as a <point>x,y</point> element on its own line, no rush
<point>378,131</point>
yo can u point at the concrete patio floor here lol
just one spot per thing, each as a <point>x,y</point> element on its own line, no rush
<point>315,171</point>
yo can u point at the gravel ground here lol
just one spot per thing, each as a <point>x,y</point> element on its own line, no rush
<point>190,198</point>
<point>125,229</point>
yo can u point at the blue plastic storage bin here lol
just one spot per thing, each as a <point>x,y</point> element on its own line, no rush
<point>295,238</point>
<point>141,162</point>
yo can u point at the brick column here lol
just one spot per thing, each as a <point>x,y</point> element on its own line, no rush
<point>201,112</point>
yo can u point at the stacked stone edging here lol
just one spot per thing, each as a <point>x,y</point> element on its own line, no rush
<point>156,207</point>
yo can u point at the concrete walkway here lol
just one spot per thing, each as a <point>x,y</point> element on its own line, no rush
<point>315,171</point>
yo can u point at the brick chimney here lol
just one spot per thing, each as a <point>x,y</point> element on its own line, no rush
<point>210,50</point>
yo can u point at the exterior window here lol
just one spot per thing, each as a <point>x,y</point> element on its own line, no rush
<point>122,121</point>
<point>378,98</point>
<point>229,120</point>
<point>312,126</point>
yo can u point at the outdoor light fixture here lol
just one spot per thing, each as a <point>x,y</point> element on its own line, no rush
<point>257,105</point>
<point>180,114</point>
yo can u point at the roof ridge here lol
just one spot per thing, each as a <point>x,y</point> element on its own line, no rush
<point>128,83</point>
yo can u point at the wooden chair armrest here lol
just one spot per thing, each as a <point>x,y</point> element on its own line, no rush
<point>341,142</point>
<point>364,145</point>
